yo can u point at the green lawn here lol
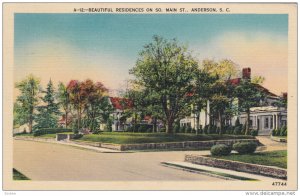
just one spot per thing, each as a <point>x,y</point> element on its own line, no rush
<point>18,175</point>
<point>272,158</point>
<point>52,135</point>
<point>135,138</point>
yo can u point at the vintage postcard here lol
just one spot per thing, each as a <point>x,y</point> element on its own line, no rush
<point>150,96</point>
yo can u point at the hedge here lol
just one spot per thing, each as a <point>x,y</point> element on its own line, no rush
<point>50,131</point>
<point>220,150</point>
<point>245,147</point>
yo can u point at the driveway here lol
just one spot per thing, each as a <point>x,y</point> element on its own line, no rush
<point>54,162</point>
<point>270,145</point>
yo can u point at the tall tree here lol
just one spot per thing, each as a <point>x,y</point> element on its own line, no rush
<point>167,68</point>
<point>48,111</point>
<point>63,97</point>
<point>249,95</point>
<point>202,94</point>
<point>28,99</point>
<point>219,102</point>
<point>220,93</point>
<point>95,102</point>
<point>76,98</point>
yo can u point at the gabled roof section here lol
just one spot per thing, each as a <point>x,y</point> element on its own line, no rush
<point>120,103</point>
<point>237,81</point>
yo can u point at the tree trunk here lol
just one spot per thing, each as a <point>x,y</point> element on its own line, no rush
<point>197,122</point>
<point>134,122</point>
<point>66,120</point>
<point>220,121</point>
<point>247,122</point>
<point>30,125</point>
<point>205,117</point>
<point>169,127</point>
<point>78,118</point>
<point>154,125</point>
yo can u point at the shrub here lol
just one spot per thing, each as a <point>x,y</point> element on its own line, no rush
<point>182,129</point>
<point>193,130</point>
<point>96,132</point>
<point>237,122</point>
<point>109,125</point>
<point>220,150</point>
<point>77,136</point>
<point>149,130</point>
<point>200,131</point>
<point>229,129</point>
<point>50,131</point>
<point>177,128</point>
<point>243,129</point>
<point>283,131</point>
<point>254,132</point>
<point>162,129</point>
<point>245,147</point>
<point>205,130</point>
<point>129,129</point>
<point>237,130</point>
<point>214,129</point>
<point>218,130</point>
<point>188,129</point>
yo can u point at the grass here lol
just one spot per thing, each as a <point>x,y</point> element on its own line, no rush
<point>18,175</point>
<point>137,138</point>
<point>52,135</point>
<point>272,158</point>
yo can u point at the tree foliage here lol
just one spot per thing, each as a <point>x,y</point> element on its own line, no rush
<point>27,100</point>
<point>166,68</point>
<point>48,111</point>
<point>249,95</point>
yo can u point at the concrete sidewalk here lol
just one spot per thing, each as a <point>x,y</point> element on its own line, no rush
<point>195,168</point>
<point>97,149</point>
<point>86,147</point>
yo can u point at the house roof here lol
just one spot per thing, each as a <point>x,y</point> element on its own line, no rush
<point>120,103</point>
<point>237,81</point>
<point>63,119</point>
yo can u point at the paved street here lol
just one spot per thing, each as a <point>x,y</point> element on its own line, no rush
<point>46,161</point>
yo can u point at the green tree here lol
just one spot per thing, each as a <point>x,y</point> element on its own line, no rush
<point>95,102</point>
<point>64,101</point>
<point>135,98</point>
<point>77,98</point>
<point>166,68</point>
<point>220,91</point>
<point>220,102</point>
<point>27,100</point>
<point>202,93</point>
<point>48,111</point>
<point>249,95</point>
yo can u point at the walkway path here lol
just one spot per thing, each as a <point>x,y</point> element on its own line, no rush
<point>270,145</point>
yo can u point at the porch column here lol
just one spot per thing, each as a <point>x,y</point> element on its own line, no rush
<point>276,116</point>
<point>273,116</point>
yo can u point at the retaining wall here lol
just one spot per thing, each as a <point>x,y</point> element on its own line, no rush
<point>63,136</point>
<point>270,171</point>
<point>200,145</point>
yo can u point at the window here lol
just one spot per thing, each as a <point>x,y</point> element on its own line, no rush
<point>271,123</point>
<point>266,122</point>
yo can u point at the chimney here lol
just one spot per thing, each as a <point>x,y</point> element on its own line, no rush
<point>247,73</point>
<point>284,96</point>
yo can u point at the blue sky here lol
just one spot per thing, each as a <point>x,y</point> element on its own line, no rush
<point>104,47</point>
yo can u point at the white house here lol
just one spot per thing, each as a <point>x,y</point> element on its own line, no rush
<point>21,129</point>
<point>264,118</point>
